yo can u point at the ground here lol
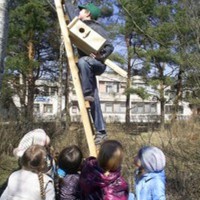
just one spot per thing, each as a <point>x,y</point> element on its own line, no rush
<point>180,144</point>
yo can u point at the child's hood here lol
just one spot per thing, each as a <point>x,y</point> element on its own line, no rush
<point>155,175</point>
<point>96,175</point>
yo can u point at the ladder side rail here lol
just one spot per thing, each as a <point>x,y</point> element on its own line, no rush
<point>76,79</point>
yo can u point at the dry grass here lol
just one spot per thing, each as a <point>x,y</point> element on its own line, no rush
<point>180,144</point>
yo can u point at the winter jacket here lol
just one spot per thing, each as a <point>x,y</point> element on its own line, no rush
<point>150,186</point>
<point>69,187</point>
<point>97,186</point>
<point>24,185</point>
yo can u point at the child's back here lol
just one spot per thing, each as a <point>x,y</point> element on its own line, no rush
<point>151,186</point>
<point>95,184</point>
<point>150,176</point>
<point>30,182</point>
<point>69,162</point>
<point>101,178</point>
<point>69,187</point>
<point>24,185</point>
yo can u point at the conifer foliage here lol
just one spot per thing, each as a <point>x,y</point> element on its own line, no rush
<point>32,49</point>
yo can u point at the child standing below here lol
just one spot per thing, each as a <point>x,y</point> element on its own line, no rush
<point>101,178</point>
<point>30,182</point>
<point>150,175</point>
<point>36,137</point>
<point>69,162</point>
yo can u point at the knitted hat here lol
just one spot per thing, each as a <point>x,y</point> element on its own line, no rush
<point>152,159</point>
<point>94,11</point>
<point>36,136</point>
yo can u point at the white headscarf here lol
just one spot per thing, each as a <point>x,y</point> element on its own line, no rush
<point>152,159</point>
<point>36,136</point>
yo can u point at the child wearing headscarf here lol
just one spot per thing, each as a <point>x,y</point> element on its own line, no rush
<point>150,175</point>
<point>31,182</point>
<point>36,137</point>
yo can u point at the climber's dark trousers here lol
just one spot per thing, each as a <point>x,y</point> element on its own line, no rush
<point>89,68</point>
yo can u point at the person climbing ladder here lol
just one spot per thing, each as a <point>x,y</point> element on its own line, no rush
<point>92,65</point>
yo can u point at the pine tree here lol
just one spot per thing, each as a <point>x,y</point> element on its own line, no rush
<point>31,48</point>
<point>190,49</point>
<point>153,26</point>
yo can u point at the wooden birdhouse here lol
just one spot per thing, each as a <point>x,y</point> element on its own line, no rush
<point>85,38</point>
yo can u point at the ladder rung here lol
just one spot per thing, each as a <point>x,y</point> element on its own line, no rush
<point>87,104</point>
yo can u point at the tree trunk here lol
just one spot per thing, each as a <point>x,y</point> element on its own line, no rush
<point>128,84</point>
<point>179,92</point>
<point>3,34</point>
<point>128,101</point>
<point>31,83</point>
<point>67,112</point>
<point>162,113</point>
<point>162,98</point>
<point>30,99</point>
<point>60,86</point>
<point>23,95</point>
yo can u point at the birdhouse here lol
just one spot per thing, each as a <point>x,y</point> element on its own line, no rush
<point>85,38</point>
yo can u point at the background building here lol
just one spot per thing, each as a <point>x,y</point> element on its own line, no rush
<point>111,92</point>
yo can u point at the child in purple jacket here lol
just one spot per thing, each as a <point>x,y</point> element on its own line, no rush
<point>69,162</point>
<point>101,177</point>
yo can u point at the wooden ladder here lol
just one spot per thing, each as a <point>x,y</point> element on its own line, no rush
<point>83,106</point>
<point>75,77</point>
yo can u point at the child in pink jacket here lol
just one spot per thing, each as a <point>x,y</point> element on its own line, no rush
<point>101,177</point>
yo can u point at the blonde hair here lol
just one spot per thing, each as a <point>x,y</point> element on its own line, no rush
<point>110,155</point>
<point>42,190</point>
<point>35,160</point>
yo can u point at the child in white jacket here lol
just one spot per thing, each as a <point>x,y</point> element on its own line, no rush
<point>31,182</point>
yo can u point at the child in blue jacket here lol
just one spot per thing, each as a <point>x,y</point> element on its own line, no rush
<point>150,175</point>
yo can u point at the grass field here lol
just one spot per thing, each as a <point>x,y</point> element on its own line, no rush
<point>180,144</point>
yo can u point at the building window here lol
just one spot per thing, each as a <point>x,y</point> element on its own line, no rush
<point>123,87</point>
<point>140,108</point>
<point>134,108</point>
<point>48,108</point>
<point>36,108</point>
<point>46,91</point>
<point>143,108</point>
<point>74,109</point>
<point>169,109</point>
<point>122,107</point>
<point>119,108</point>
<point>54,91</point>
<point>116,87</point>
<point>180,109</point>
<point>167,92</point>
<point>103,107</point>
<point>112,87</point>
<point>147,108</point>
<point>108,88</point>
<point>116,108</point>
<point>108,108</point>
<point>153,108</point>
